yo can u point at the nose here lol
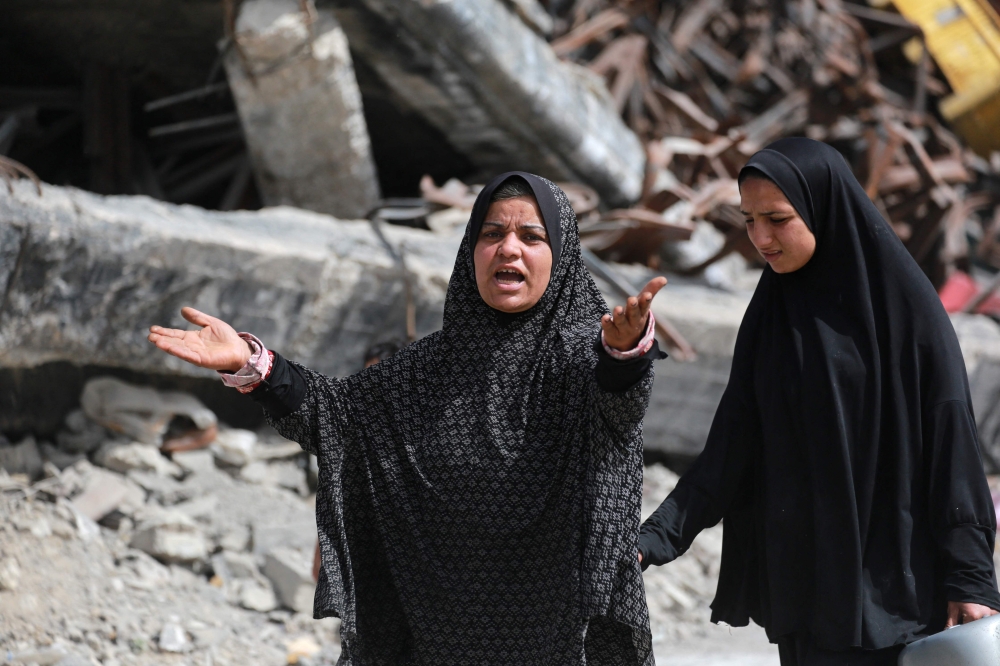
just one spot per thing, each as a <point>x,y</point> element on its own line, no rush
<point>760,234</point>
<point>510,248</point>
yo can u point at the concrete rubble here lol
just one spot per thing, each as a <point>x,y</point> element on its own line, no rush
<point>96,271</point>
<point>480,74</point>
<point>293,82</point>
<point>186,557</point>
<point>321,291</point>
<point>161,573</point>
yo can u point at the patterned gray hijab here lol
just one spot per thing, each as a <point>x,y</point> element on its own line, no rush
<point>479,494</point>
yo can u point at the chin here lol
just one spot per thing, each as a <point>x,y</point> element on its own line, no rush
<point>509,305</point>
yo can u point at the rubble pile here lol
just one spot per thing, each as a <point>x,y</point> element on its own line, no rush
<point>118,549</point>
<point>118,542</point>
<point>708,83</point>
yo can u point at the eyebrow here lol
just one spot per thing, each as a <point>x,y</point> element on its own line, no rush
<point>767,212</point>
<point>489,223</point>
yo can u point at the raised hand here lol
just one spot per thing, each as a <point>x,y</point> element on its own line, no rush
<point>624,327</point>
<point>216,346</point>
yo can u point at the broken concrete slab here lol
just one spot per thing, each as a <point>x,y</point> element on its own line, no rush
<point>96,271</point>
<point>494,88</point>
<point>163,489</point>
<point>169,536</point>
<point>127,456</point>
<point>140,412</point>
<point>103,493</point>
<point>291,575</point>
<point>236,564</point>
<point>257,595</point>
<point>293,82</point>
<point>234,447</point>
<point>195,462</point>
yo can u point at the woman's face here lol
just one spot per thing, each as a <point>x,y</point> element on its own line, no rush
<point>775,228</point>
<point>512,255</point>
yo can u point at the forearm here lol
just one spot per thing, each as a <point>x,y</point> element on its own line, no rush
<point>969,571</point>
<point>290,395</point>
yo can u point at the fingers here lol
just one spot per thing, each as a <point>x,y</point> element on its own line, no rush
<point>197,317</point>
<point>166,332</point>
<point>954,615</point>
<point>175,347</point>
<point>655,285</point>
<point>640,557</point>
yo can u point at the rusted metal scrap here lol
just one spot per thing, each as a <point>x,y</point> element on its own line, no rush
<point>708,83</point>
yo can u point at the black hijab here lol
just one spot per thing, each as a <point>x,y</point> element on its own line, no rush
<point>479,494</point>
<point>855,501</point>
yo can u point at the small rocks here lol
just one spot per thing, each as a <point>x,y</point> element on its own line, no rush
<point>173,638</point>
<point>43,656</point>
<point>300,648</point>
<point>135,522</point>
<point>10,574</point>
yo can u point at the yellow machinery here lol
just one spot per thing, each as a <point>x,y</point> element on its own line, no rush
<point>963,37</point>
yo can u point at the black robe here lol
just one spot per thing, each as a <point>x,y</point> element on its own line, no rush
<point>479,492</point>
<point>843,456</point>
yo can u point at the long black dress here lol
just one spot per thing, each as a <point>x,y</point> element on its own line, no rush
<point>843,456</point>
<point>479,492</point>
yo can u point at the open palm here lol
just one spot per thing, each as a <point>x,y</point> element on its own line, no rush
<point>623,328</point>
<point>216,346</point>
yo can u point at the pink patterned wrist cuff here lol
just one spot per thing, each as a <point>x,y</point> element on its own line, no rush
<point>257,368</point>
<point>644,344</point>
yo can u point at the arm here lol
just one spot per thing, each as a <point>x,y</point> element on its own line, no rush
<point>296,400</point>
<point>708,490</point>
<point>961,512</point>
<point>626,350</point>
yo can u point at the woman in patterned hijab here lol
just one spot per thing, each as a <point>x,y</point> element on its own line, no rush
<point>479,492</point>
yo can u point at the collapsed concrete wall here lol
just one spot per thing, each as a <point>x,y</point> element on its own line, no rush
<point>476,72</point>
<point>293,82</point>
<point>83,276</point>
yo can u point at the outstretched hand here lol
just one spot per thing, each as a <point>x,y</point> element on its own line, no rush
<point>624,327</point>
<point>216,346</point>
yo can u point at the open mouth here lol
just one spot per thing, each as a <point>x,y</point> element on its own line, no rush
<point>509,276</point>
<point>771,256</point>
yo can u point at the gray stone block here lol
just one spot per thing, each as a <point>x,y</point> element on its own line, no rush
<point>294,86</point>
<point>497,92</point>
<point>290,573</point>
<point>96,271</point>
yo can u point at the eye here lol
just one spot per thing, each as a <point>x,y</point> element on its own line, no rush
<point>779,220</point>
<point>749,220</point>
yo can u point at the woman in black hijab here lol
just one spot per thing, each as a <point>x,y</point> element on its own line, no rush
<point>843,456</point>
<point>479,491</point>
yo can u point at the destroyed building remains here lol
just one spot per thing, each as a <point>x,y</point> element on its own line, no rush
<point>305,168</point>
